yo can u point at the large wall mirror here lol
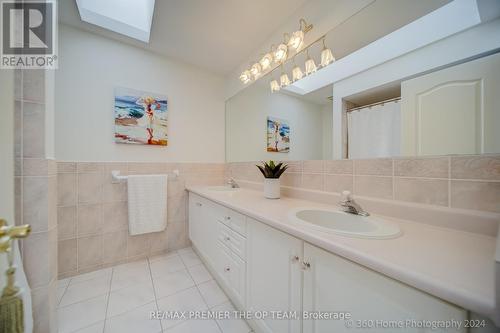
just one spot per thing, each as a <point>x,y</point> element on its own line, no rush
<point>455,110</point>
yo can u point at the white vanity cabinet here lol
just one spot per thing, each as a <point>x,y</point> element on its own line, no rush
<point>332,283</point>
<point>265,270</point>
<point>274,276</point>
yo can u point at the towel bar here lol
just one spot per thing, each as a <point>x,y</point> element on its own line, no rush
<point>117,178</point>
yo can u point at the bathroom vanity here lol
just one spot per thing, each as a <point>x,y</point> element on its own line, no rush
<point>266,261</point>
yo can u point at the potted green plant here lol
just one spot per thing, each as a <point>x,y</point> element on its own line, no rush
<point>272,173</point>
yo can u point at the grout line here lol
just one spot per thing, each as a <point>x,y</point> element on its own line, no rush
<point>107,301</point>
<point>154,289</point>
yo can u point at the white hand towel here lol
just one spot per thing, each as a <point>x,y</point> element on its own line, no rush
<point>147,203</point>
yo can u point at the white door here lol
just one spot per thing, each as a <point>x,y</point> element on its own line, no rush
<point>334,284</point>
<point>274,277</point>
<point>7,185</point>
<point>452,111</point>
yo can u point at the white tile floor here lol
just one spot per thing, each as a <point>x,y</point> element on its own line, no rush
<point>120,299</point>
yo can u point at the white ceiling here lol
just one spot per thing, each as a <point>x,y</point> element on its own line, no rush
<point>216,35</point>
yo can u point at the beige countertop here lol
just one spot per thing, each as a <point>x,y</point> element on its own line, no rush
<point>454,265</point>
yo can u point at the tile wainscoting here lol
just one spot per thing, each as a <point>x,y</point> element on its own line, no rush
<point>469,182</point>
<point>93,217</point>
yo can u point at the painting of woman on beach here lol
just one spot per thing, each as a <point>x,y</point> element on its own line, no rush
<point>278,135</point>
<point>140,117</point>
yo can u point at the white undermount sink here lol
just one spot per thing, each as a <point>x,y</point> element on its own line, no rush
<point>223,189</point>
<point>345,224</point>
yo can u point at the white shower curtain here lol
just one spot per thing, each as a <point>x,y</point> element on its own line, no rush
<point>374,132</point>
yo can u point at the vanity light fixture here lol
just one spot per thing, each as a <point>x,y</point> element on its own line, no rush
<point>326,55</point>
<point>280,53</point>
<point>256,70</point>
<point>297,39</point>
<point>266,61</point>
<point>310,64</point>
<point>246,76</point>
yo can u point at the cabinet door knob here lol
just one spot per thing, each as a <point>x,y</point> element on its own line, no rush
<point>305,265</point>
<point>228,218</point>
<point>227,269</point>
<point>198,204</point>
<point>295,259</point>
<point>228,239</point>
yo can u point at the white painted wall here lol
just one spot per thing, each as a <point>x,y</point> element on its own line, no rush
<point>246,119</point>
<point>327,131</point>
<point>90,66</point>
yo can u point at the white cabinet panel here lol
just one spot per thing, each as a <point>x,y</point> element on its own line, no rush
<point>274,277</point>
<point>336,284</point>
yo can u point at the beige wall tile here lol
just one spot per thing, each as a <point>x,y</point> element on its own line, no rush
<point>53,258</point>
<point>66,167</point>
<point>313,181</point>
<point>89,187</point>
<point>339,167</point>
<point>18,129</point>
<point>112,192</point>
<point>422,167</point>
<point>176,187</point>
<point>159,241</point>
<point>52,201</point>
<point>18,84</point>
<point>89,220</point>
<point>378,167</point>
<point>114,216</point>
<point>66,222</point>
<point>421,190</point>
<point>177,208</point>
<point>294,166</point>
<point>34,85</point>
<point>291,179</point>
<point>373,186</point>
<point>18,200</point>
<point>36,259</point>
<point>477,195</point>
<point>35,167</point>
<point>476,167</point>
<point>115,246</point>
<point>35,203</point>
<point>137,245</point>
<point>89,251</point>
<point>89,167</point>
<point>33,133</point>
<point>313,166</point>
<point>66,189</point>
<point>177,236</point>
<point>144,168</point>
<point>338,183</point>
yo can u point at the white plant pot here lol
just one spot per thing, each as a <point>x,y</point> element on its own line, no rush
<point>272,188</point>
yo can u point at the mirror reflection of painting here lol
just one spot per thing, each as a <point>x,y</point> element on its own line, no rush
<point>140,117</point>
<point>278,135</point>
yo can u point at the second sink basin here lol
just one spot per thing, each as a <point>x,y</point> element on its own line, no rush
<point>350,225</point>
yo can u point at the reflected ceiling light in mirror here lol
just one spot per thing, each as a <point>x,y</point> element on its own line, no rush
<point>274,85</point>
<point>266,61</point>
<point>284,80</point>
<point>256,70</point>
<point>326,55</point>
<point>296,72</point>
<point>310,64</point>
<point>246,77</point>
<point>280,53</point>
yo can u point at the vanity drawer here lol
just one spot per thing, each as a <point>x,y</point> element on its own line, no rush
<point>232,240</point>
<point>237,222</point>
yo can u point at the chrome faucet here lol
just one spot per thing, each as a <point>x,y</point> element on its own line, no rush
<point>350,206</point>
<point>232,183</point>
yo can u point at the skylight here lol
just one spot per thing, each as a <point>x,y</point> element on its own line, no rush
<point>131,18</point>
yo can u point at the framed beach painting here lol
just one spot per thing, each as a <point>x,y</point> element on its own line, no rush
<point>278,135</point>
<point>140,117</point>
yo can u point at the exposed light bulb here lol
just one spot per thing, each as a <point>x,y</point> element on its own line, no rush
<point>284,80</point>
<point>274,86</point>
<point>297,73</point>
<point>310,66</point>
<point>326,56</point>
<point>280,53</point>
<point>246,77</point>
<point>256,70</point>
<point>266,61</point>
<point>296,40</point>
